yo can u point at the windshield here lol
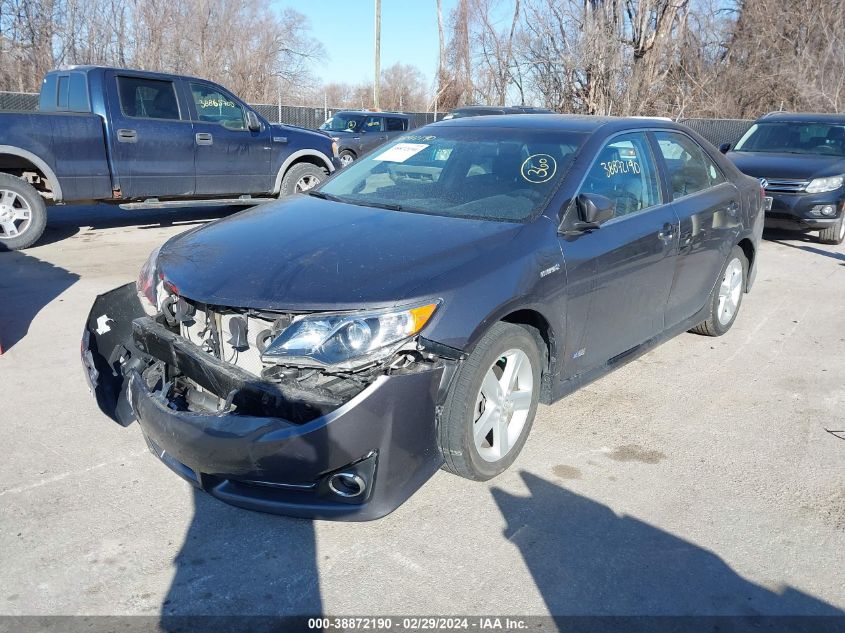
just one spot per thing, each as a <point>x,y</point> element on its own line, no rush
<point>344,122</point>
<point>494,174</point>
<point>794,138</point>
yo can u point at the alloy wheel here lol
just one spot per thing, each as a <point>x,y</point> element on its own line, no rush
<point>502,405</point>
<point>15,214</point>
<point>730,291</point>
<point>306,182</point>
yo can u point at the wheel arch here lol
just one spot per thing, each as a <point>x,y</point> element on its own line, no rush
<point>540,326</point>
<point>311,156</point>
<point>13,159</point>
<point>747,247</point>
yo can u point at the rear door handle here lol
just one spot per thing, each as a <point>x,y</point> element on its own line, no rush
<point>204,138</point>
<point>127,136</point>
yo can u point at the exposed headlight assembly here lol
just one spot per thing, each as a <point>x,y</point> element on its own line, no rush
<point>150,286</point>
<point>347,341</point>
<point>822,185</point>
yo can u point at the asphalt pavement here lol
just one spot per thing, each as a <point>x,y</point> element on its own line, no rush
<point>705,478</point>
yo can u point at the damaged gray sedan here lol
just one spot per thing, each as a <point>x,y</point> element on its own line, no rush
<point>323,356</point>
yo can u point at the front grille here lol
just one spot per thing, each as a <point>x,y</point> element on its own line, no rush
<point>783,185</point>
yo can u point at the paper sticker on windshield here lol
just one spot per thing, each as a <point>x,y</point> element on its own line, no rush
<point>538,168</point>
<point>401,152</point>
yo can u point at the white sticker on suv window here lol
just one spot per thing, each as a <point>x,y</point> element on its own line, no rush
<point>401,152</point>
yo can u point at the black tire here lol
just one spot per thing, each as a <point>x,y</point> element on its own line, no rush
<point>33,229</point>
<point>298,172</point>
<point>713,326</point>
<point>455,432</point>
<point>347,155</point>
<point>834,234</point>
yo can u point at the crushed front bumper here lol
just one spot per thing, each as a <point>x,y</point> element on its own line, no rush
<point>358,461</point>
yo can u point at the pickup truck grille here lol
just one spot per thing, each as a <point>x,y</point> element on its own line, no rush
<point>783,185</point>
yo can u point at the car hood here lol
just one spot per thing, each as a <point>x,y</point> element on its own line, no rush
<point>792,166</point>
<point>305,254</point>
<point>306,132</point>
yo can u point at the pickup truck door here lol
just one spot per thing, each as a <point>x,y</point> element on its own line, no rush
<point>230,158</point>
<point>150,137</point>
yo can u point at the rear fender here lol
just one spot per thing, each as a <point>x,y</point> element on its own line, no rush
<point>108,352</point>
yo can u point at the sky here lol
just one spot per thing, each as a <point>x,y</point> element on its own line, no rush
<point>345,27</point>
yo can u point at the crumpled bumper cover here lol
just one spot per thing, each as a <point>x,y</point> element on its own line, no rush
<point>386,435</point>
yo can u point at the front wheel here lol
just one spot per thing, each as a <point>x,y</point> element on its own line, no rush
<point>726,297</point>
<point>491,404</point>
<point>302,177</point>
<point>834,234</point>
<point>23,214</point>
<point>346,158</point>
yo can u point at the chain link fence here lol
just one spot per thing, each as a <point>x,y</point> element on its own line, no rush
<point>717,131</point>
<point>22,101</point>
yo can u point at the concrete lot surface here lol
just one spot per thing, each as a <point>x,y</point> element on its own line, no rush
<point>701,479</point>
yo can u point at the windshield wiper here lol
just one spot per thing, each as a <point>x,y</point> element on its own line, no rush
<point>325,196</point>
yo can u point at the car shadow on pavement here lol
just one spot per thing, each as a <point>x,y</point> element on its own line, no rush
<point>27,285</point>
<point>65,222</point>
<point>241,564</point>
<point>587,560</point>
<point>812,249</point>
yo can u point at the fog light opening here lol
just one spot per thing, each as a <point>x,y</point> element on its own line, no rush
<point>827,210</point>
<point>347,484</point>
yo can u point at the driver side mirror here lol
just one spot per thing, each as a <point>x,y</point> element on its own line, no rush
<point>725,148</point>
<point>252,122</point>
<point>593,211</point>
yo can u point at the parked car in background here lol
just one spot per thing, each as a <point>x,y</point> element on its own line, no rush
<point>801,159</point>
<point>459,113</point>
<point>357,132</point>
<point>118,136</point>
<point>324,355</point>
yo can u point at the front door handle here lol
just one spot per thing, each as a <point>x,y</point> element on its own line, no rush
<point>204,138</point>
<point>666,233</point>
<point>127,136</point>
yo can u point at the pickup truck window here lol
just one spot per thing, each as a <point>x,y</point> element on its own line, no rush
<point>62,92</point>
<point>214,106</point>
<point>147,98</point>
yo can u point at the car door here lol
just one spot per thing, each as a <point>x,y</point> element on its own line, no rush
<point>707,206</point>
<point>395,126</point>
<point>619,275</point>
<point>230,158</point>
<point>373,134</point>
<point>151,137</point>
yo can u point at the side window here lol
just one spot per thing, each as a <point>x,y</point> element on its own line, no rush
<point>372,124</point>
<point>395,125</point>
<point>147,98</point>
<point>64,84</point>
<point>625,172</point>
<point>214,106</point>
<point>78,95</point>
<point>690,169</point>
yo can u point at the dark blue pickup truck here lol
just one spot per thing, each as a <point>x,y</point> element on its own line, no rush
<point>126,136</point>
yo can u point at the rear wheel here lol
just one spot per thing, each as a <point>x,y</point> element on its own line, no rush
<point>491,404</point>
<point>726,297</point>
<point>834,234</point>
<point>23,214</point>
<point>302,177</point>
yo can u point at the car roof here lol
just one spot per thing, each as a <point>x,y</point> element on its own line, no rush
<point>561,122</point>
<point>803,117</point>
<point>147,73</point>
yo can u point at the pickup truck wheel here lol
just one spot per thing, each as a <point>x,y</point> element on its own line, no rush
<point>302,177</point>
<point>346,158</point>
<point>23,214</point>
<point>834,234</point>
<point>726,297</point>
<point>491,404</point>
